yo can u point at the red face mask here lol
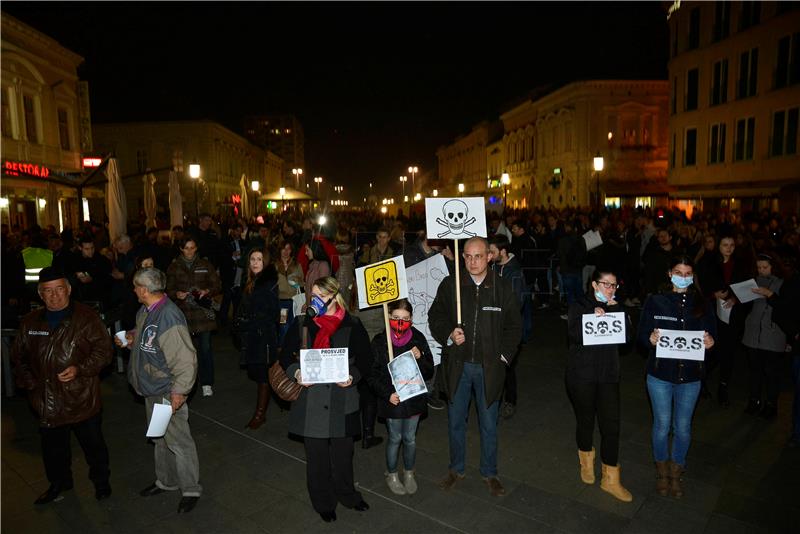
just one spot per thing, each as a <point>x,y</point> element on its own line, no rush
<point>399,326</point>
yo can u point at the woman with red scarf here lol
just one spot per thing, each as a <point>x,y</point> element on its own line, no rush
<point>326,415</point>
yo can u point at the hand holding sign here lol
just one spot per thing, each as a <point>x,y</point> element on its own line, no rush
<point>605,329</point>
<point>681,344</point>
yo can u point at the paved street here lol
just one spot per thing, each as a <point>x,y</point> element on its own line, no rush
<point>740,477</point>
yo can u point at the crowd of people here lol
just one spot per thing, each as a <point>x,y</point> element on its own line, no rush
<point>282,283</point>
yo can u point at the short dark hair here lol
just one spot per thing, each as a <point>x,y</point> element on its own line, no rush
<point>501,242</point>
<point>401,304</point>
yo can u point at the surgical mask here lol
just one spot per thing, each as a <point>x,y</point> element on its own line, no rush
<point>317,307</point>
<point>399,326</point>
<point>682,282</point>
<point>600,297</point>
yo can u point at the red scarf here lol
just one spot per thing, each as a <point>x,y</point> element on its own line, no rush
<point>328,324</point>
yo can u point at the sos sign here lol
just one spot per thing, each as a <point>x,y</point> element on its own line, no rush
<point>681,344</point>
<point>608,329</point>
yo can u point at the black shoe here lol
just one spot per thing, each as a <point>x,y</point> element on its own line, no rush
<point>769,412</point>
<point>52,493</point>
<point>361,506</point>
<point>753,407</point>
<point>371,441</point>
<point>435,404</point>
<point>187,504</point>
<point>151,490</point>
<point>102,493</point>
<point>722,396</point>
<point>508,410</point>
<point>328,516</point>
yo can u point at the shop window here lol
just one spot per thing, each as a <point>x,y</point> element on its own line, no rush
<point>719,83</point>
<point>784,132</point>
<point>612,202</point>
<point>748,74</point>
<point>745,132</point>
<point>643,202</point>
<point>716,149</point>
<point>63,129</point>
<point>29,107</point>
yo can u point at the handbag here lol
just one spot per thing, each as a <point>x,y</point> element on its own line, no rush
<point>283,386</point>
<point>298,301</point>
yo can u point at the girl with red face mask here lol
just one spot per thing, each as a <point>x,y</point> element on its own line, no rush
<point>403,417</point>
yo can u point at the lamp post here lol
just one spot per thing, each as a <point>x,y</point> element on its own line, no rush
<point>255,186</point>
<point>297,174</point>
<point>339,189</point>
<point>318,180</point>
<point>436,192</point>
<point>413,170</point>
<point>505,179</point>
<point>282,191</point>
<point>598,165</point>
<point>461,189</point>
<point>403,180</point>
<point>194,174</point>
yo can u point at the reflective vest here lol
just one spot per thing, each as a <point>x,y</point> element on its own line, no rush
<point>35,260</point>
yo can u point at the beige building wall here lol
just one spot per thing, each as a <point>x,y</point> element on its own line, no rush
<point>223,156</point>
<point>704,37</point>
<point>464,161</point>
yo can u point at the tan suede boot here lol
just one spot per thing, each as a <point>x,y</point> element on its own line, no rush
<point>662,478</point>
<point>610,483</point>
<point>587,465</point>
<point>675,474</point>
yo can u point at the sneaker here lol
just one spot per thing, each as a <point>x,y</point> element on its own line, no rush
<point>410,482</point>
<point>495,487</point>
<point>435,404</point>
<point>564,316</point>
<point>393,481</point>
<point>507,410</point>
<point>208,391</point>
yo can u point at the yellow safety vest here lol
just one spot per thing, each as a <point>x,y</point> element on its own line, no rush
<point>35,260</point>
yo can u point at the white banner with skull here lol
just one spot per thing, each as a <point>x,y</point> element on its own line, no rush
<point>381,282</point>
<point>455,218</point>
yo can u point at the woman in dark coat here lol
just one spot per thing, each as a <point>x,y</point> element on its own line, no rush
<point>593,385</point>
<point>326,415</point>
<point>402,418</point>
<point>257,320</point>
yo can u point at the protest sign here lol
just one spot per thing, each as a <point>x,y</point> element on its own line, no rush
<point>381,282</point>
<point>593,239</point>
<point>406,376</point>
<point>423,282</point>
<point>324,366</point>
<point>455,218</point>
<point>605,329</point>
<point>723,313</point>
<point>681,344</point>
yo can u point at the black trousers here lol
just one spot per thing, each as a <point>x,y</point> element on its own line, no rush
<point>329,473</point>
<point>597,401</point>
<point>368,405</point>
<point>765,369</point>
<point>510,385</point>
<point>724,353</point>
<point>57,452</point>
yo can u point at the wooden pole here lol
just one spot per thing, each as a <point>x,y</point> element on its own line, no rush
<point>388,331</point>
<point>458,287</point>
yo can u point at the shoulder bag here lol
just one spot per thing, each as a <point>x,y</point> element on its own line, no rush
<point>286,388</point>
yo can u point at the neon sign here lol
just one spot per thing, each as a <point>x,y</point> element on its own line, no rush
<point>236,199</point>
<point>92,162</point>
<point>15,168</point>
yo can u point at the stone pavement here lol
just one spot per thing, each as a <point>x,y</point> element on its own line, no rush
<point>740,477</point>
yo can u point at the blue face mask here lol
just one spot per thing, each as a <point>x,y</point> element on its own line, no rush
<point>317,307</point>
<point>682,282</point>
<point>600,297</point>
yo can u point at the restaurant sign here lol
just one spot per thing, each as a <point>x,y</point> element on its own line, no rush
<point>15,168</point>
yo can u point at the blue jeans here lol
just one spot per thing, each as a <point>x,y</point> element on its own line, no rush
<point>796,406</point>
<point>205,358</point>
<point>405,431</point>
<point>572,286</point>
<point>457,413</point>
<point>673,405</point>
<point>526,309</point>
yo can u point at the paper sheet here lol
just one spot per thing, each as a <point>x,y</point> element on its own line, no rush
<point>159,421</point>
<point>680,344</point>
<point>593,239</point>
<point>723,313</point>
<point>743,292</point>
<point>607,329</point>
<point>406,376</point>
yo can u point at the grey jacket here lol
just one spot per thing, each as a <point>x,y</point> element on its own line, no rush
<point>759,330</point>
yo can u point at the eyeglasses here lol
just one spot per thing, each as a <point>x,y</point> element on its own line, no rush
<point>608,285</point>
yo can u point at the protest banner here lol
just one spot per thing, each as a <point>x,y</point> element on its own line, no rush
<point>681,344</point>
<point>608,329</point>
<point>324,366</point>
<point>406,376</point>
<point>423,281</point>
<point>381,283</point>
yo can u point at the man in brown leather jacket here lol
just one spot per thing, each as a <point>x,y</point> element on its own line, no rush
<point>58,356</point>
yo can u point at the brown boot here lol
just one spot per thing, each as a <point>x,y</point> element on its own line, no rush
<point>662,478</point>
<point>587,465</point>
<point>259,416</point>
<point>675,473</point>
<point>610,483</point>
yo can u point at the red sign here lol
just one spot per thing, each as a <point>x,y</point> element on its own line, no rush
<point>14,168</point>
<point>92,162</point>
<point>236,199</point>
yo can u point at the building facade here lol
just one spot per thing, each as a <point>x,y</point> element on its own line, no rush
<point>45,127</point>
<point>281,134</point>
<point>734,74</point>
<point>224,157</point>
<point>464,161</point>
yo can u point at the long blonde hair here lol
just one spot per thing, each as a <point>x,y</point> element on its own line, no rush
<point>330,285</point>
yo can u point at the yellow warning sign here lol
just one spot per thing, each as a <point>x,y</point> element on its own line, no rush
<point>381,282</point>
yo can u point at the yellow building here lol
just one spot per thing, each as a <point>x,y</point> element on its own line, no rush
<point>223,157</point>
<point>734,73</point>
<point>45,127</point>
<point>464,161</point>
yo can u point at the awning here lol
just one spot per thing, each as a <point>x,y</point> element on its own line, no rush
<point>289,194</point>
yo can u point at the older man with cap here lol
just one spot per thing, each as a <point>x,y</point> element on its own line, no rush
<point>162,369</point>
<point>58,356</point>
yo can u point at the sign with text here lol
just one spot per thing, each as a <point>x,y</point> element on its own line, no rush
<point>381,282</point>
<point>406,376</point>
<point>324,366</point>
<point>608,329</point>
<point>455,218</point>
<point>681,344</point>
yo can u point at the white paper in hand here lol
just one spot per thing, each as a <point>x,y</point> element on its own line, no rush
<point>723,313</point>
<point>743,291</point>
<point>593,239</point>
<point>681,344</point>
<point>406,376</point>
<point>324,366</point>
<point>606,329</point>
<point>159,421</point>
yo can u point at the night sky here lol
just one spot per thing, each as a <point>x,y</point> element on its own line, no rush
<point>377,86</point>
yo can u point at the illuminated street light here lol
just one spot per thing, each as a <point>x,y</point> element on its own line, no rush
<point>436,192</point>
<point>413,170</point>
<point>598,163</point>
<point>461,188</point>
<point>417,197</point>
<point>254,185</point>
<point>297,173</point>
<point>318,180</point>
<point>194,174</point>
<point>322,220</point>
<point>383,209</point>
<point>506,179</point>
<point>282,191</point>
<point>403,180</point>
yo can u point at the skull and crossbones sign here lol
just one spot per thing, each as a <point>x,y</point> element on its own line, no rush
<point>455,219</point>
<point>382,284</point>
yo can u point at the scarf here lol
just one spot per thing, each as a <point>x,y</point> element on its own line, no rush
<point>188,263</point>
<point>328,324</point>
<point>404,338</point>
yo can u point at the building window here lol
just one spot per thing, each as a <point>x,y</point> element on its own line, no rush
<point>30,119</point>
<point>694,29</point>
<point>6,126</point>
<point>675,42</point>
<point>692,78</point>
<point>690,147</point>
<point>674,103</point>
<point>141,160</point>
<point>750,14</point>
<point>719,83</point>
<point>745,132</point>
<point>748,73</point>
<point>716,149</point>
<point>672,154</point>
<point>784,132</point>
<point>63,129</point>
<point>722,20</point>
<point>787,69</point>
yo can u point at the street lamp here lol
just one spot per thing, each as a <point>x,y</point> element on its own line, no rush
<point>598,165</point>
<point>461,189</point>
<point>318,180</point>
<point>413,170</point>
<point>297,174</point>
<point>506,179</point>
<point>338,189</point>
<point>403,180</point>
<point>194,174</point>
<point>255,186</point>
<point>436,192</point>
<point>282,191</point>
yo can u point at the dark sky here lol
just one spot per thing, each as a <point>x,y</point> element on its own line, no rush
<point>377,86</point>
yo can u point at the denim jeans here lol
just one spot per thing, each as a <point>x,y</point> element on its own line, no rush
<point>673,405</point>
<point>572,286</point>
<point>457,413</point>
<point>205,358</point>
<point>405,431</point>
